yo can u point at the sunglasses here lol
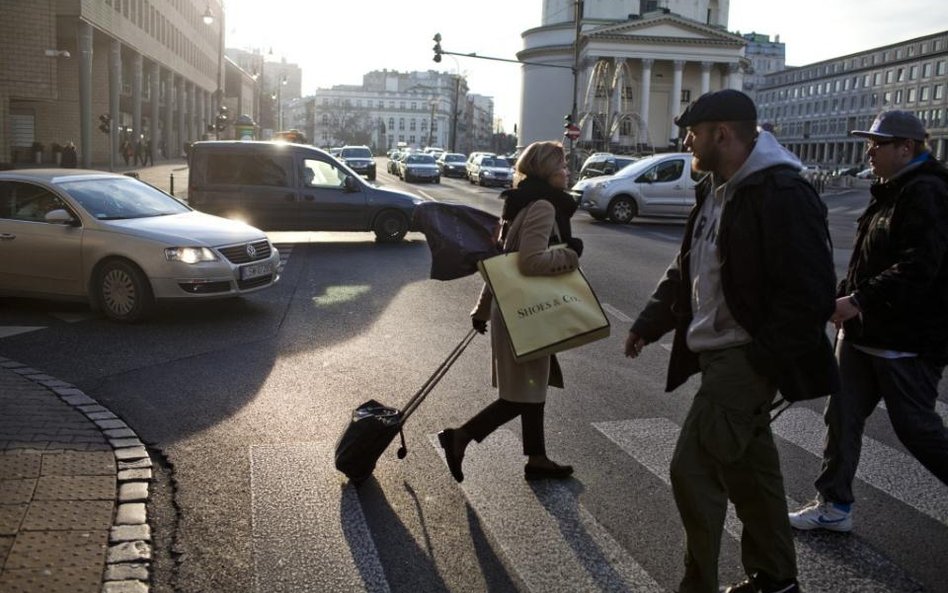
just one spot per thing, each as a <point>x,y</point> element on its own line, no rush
<point>874,144</point>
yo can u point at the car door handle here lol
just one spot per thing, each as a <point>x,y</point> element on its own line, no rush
<point>7,237</point>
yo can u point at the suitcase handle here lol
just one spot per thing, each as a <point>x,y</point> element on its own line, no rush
<point>420,395</point>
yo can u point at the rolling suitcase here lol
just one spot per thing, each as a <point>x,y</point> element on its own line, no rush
<point>373,426</point>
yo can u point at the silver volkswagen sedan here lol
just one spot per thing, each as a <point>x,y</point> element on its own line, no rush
<point>121,244</point>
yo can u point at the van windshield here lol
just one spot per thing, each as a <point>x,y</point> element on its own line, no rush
<point>356,153</point>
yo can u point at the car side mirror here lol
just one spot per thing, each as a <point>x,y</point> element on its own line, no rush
<point>60,216</point>
<point>350,184</point>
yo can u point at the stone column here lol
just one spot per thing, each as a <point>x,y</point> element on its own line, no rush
<point>167,121</point>
<point>182,108</point>
<point>733,76</point>
<point>646,91</point>
<point>192,113</point>
<point>137,78</point>
<point>84,33</point>
<point>675,100</point>
<point>155,109</point>
<point>201,113</point>
<point>115,87</point>
<point>705,77</point>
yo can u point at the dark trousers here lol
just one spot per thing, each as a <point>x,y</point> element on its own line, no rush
<point>909,387</point>
<point>726,450</point>
<point>502,411</point>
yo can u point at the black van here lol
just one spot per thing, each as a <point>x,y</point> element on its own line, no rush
<point>279,186</point>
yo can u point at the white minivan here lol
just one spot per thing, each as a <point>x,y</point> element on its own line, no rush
<point>662,185</point>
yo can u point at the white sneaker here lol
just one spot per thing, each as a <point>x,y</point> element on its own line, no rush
<point>823,515</point>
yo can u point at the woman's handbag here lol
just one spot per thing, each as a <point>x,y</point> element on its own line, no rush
<point>543,314</point>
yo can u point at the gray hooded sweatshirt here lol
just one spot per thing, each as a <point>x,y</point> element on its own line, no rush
<point>713,326</point>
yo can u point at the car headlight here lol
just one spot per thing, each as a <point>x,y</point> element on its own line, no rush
<point>189,255</point>
<point>488,173</point>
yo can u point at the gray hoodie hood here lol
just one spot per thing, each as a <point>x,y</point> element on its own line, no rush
<point>712,326</point>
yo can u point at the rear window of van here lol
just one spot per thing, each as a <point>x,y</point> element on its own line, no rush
<point>249,169</point>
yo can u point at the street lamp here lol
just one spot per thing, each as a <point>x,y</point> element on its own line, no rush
<point>278,97</point>
<point>208,19</point>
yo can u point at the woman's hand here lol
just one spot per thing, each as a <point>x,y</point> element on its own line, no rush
<point>633,345</point>
<point>576,245</point>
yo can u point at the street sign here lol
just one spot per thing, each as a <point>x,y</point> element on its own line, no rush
<point>572,132</point>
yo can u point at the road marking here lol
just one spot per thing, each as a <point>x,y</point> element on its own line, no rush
<point>12,330</point>
<point>826,562</point>
<point>616,313</point>
<point>897,474</point>
<point>548,538</point>
<point>308,526</point>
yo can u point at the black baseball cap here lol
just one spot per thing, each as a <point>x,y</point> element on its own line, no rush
<point>894,124</point>
<point>724,105</point>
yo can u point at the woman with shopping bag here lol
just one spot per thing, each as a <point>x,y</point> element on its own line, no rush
<point>536,215</point>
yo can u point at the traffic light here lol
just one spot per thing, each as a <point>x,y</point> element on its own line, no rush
<point>222,119</point>
<point>567,120</point>
<point>105,123</point>
<point>437,47</point>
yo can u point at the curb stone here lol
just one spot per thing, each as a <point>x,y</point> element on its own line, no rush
<point>127,568</point>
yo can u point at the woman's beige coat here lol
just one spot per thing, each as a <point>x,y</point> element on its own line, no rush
<point>529,234</point>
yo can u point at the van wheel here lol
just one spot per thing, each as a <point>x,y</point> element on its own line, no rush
<point>122,292</point>
<point>622,210</point>
<point>390,227</point>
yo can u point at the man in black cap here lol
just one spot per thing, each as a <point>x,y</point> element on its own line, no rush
<point>748,296</point>
<point>892,310</point>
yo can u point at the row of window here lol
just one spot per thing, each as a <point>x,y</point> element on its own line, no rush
<point>841,126</point>
<point>866,100</point>
<point>150,19</point>
<point>864,81</point>
<point>358,104</point>
<point>413,124</point>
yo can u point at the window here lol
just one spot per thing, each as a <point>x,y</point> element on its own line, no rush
<point>877,78</point>
<point>926,70</point>
<point>249,169</point>
<point>913,72</point>
<point>317,173</point>
<point>888,77</point>
<point>911,96</point>
<point>24,201</point>
<point>887,97</point>
<point>940,68</point>
<point>900,75</point>
<point>898,96</point>
<point>939,92</point>
<point>925,94</point>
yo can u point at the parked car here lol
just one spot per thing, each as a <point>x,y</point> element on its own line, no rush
<point>604,163</point>
<point>491,170</point>
<point>419,167</point>
<point>660,185</point>
<point>470,161</point>
<point>452,164</point>
<point>393,161</point>
<point>121,244</point>
<point>292,187</point>
<point>359,159</point>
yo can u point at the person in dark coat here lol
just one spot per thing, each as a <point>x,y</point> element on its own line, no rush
<point>748,296</point>
<point>892,309</point>
<point>536,214</point>
<point>69,159</point>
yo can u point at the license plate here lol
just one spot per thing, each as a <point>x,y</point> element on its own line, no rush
<point>251,271</point>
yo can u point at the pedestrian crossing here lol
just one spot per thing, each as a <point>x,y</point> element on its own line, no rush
<point>542,531</point>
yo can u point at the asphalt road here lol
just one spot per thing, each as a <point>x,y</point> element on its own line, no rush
<point>244,400</point>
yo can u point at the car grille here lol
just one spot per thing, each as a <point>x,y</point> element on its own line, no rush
<point>237,254</point>
<point>254,282</point>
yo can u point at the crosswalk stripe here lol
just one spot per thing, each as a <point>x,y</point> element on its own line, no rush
<point>897,474</point>
<point>12,330</point>
<point>548,538</point>
<point>307,526</point>
<point>836,564</point>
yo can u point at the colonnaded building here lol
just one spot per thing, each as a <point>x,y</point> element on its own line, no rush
<point>640,62</point>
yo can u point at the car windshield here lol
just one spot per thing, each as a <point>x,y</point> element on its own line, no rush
<point>417,159</point>
<point>356,153</point>
<point>454,158</point>
<point>496,163</point>
<point>638,166</point>
<point>117,198</point>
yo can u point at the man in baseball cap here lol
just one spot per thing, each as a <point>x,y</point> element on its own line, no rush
<point>892,309</point>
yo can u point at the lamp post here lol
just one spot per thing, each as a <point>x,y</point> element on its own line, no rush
<point>219,92</point>
<point>434,104</point>
<point>278,97</point>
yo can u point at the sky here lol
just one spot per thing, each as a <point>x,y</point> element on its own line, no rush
<point>337,42</point>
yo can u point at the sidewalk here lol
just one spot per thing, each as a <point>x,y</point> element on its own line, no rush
<point>74,481</point>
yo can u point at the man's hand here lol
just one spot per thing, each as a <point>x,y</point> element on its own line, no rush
<point>845,310</point>
<point>479,325</point>
<point>633,345</point>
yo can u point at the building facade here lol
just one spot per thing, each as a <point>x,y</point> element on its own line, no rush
<point>813,108</point>
<point>390,108</point>
<point>638,63</point>
<point>152,66</point>
<point>763,57</point>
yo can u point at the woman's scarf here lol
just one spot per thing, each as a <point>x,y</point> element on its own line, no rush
<point>530,190</point>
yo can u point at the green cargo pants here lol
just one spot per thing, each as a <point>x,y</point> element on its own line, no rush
<point>726,451</point>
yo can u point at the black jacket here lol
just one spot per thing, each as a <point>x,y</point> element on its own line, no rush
<point>899,267</point>
<point>778,281</point>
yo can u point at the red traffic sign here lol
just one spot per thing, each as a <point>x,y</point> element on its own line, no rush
<point>572,132</point>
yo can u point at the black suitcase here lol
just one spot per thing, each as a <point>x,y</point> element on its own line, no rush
<point>373,425</point>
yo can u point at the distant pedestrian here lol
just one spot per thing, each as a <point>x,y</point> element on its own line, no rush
<point>748,296</point>
<point>126,150</point>
<point>892,313</point>
<point>147,154</point>
<point>536,214</point>
<point>70,159</point>
<point>139,152</point>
